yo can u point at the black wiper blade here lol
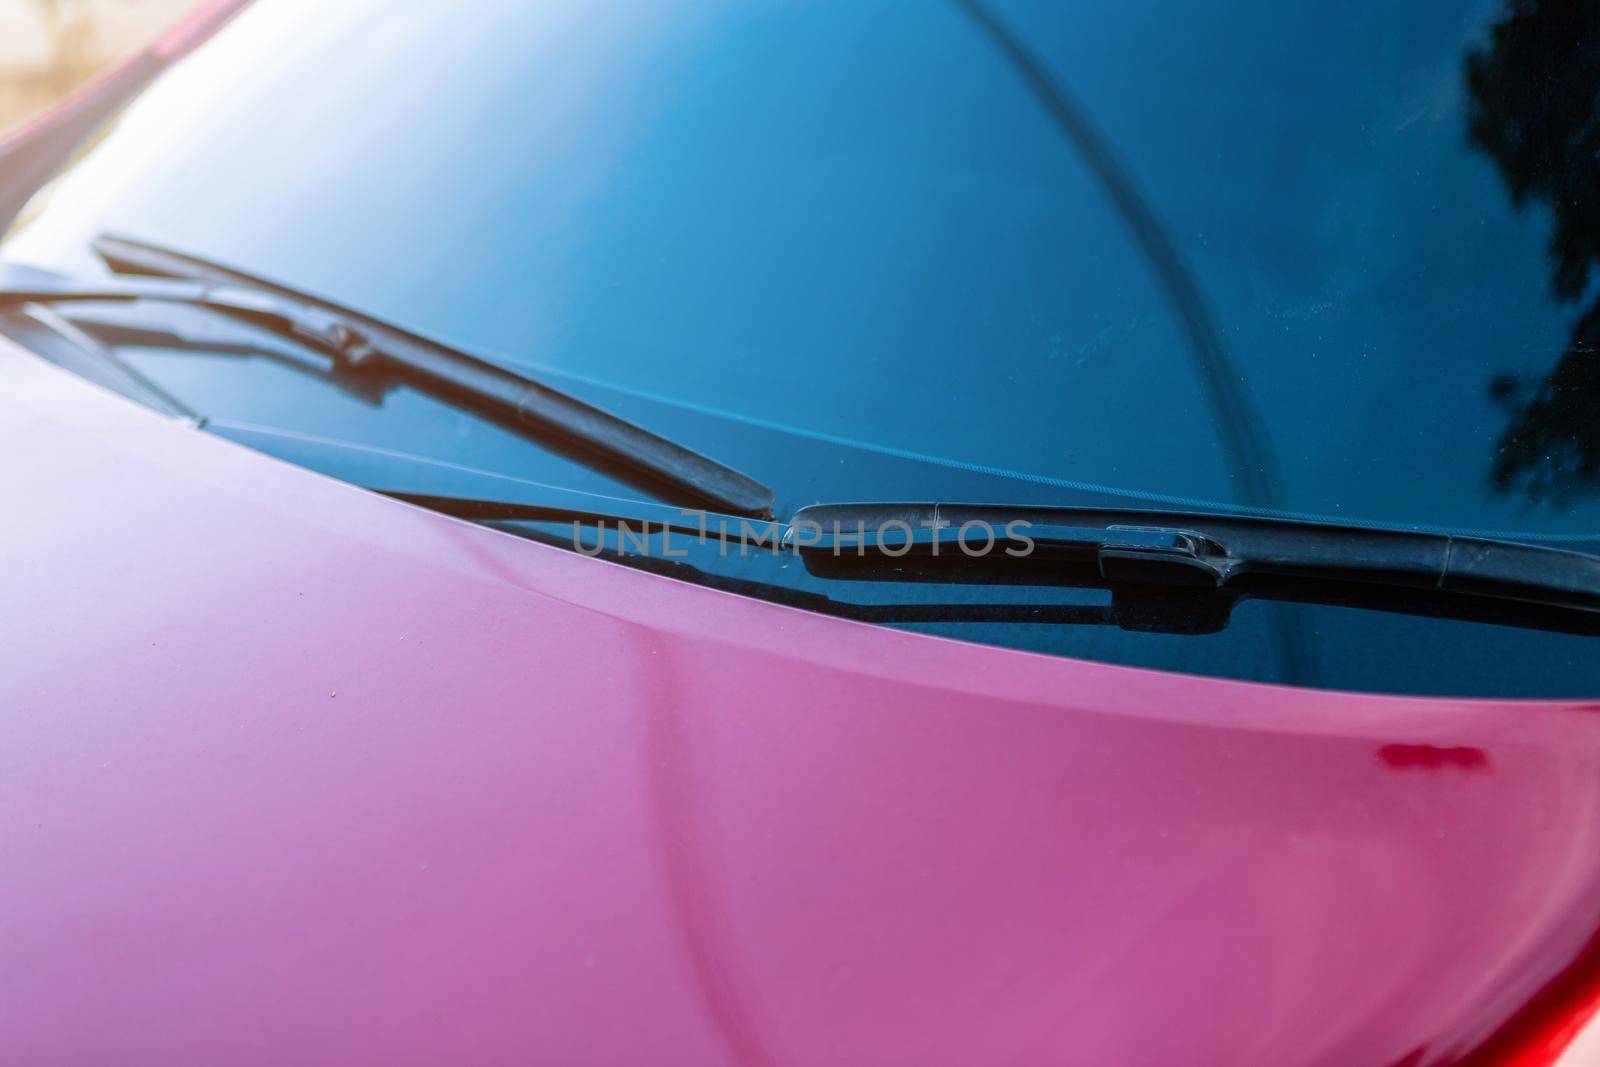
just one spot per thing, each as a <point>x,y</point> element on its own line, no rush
<point>358,343</point>
<point>1132,547</point>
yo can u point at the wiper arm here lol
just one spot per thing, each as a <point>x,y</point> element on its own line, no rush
<point>357,343</point>
<point>1131,547</point>
<point>545,511</point>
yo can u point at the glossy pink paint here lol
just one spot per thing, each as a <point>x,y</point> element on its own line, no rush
<point>290,772</point>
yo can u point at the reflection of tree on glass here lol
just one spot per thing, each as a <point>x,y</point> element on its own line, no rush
<point>1533,110</point>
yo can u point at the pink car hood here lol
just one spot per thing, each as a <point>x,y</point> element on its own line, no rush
<point>291,772</point>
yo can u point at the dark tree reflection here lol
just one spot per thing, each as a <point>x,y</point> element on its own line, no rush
<point>1535,110</point>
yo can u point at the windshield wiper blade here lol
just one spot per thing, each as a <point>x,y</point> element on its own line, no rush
<point>360,344</point>
<point>595,523</point>
<point>1194,550</point>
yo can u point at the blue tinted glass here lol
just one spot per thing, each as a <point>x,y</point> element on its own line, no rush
<point>858,219</point>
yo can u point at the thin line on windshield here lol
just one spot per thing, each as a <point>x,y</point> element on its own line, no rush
<point>1171,499</point>
<point>1233,408</point>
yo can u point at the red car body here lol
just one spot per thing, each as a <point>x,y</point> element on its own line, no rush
<point>299,773</point>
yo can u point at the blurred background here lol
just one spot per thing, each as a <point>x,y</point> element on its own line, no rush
<point>49,46</point>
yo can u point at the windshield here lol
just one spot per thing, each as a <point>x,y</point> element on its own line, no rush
<point>1309,260</point>
<point>862,221</point>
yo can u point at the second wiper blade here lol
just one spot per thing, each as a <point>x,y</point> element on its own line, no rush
<point>359,343</point>
<point>1133,547</point>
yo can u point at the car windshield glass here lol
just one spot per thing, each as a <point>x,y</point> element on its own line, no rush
<point>1320,258</point>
